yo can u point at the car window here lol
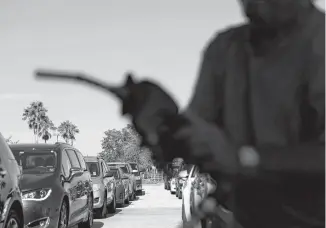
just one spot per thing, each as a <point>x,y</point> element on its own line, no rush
<point>124,169</point>
<point>81,160</point>
<point>66,165</point>
<point>38,161</point>
<point>94,168</point>
<point>134,166</point>
<point>73,158</point>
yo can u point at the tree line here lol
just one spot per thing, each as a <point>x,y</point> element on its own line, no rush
<point>124,146</point>
<point>117,145</point>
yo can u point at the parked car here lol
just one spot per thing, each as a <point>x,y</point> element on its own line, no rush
<point>56,185</point>
<point>104,187</point>
<point>186,193</point>
<point>127,170</point>
<point>11,206</point>
<point>136,172</point>
<point>181,178</point>
<point>201,187</point>
<point>167,175</point>
<point>122,186</point>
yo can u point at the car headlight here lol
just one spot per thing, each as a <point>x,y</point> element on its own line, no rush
<point>96,187</point>
<point>37,195</point>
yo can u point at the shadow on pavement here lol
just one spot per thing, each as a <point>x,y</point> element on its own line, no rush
<point>97,224</point>
<point>117,211</point>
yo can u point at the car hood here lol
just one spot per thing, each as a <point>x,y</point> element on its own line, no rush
<point>36,181</point>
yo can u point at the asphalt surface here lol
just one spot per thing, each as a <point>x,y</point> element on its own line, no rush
<point>156,209</point>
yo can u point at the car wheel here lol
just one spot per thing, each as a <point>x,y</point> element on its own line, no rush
<point>127,199</point>
<point>13,220</point>
<point>134,195</point>
<point>102,213</point>
<point>113,205</point>
<point>176,193</point>
<point>122,204</point>
<point>89,222</point>
<point>63,217</point>
<point>180,195</point>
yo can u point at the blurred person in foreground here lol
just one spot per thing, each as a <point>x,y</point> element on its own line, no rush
<point>258,112</point>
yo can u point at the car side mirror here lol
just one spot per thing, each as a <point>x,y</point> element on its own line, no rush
<point>73,172</point>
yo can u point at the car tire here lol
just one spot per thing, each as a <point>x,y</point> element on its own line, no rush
<point>90,221</point>
<point>63,216</point>
<point>113,205</point>
<point>127,199</point>
<point>180,195</point>
<point>176,193</point>
<point>103,211</point>
<point>123,201</point>
<point>14,220</point>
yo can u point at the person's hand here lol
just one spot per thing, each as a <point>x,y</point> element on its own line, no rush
<point>208,146</point>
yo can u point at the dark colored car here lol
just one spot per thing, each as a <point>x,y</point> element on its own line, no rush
<point>103,187</point>
<point>122,186</point>
<point>56,185</point>
<point>127,170</point>
<point>11,206</point>
<point>139,182</point>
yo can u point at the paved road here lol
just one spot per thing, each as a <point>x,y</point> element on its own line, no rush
<point>156,209</point>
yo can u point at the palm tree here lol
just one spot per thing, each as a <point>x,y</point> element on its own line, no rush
<point>68,131</point>
<point>47,127</point>
<point>36,116</point>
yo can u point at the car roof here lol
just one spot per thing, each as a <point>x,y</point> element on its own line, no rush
<point>91,159</point>
<point>31,146</point>
<point>117,163</point>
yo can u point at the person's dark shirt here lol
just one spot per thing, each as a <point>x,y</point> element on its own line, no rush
<point>275,102</point>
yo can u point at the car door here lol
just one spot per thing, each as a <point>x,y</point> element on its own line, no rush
<point>77,188</point>
<point>70,184</point>
<point>118,182</point>
<point>106,180</point>
<point>86,185</point>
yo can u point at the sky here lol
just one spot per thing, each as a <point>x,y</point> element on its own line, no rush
<point>161,40</point>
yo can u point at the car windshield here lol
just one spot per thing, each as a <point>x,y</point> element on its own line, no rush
<point>93,168</point>
<point>115,173</point>
<point>36,162</point>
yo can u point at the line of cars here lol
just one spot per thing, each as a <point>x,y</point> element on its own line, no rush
<point>186,183</point>
<point>53,185</point>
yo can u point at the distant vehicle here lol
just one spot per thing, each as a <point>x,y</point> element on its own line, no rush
<point>56,185</point>
<point>177,163</point>
<point>11,206</point>
<point>167,175</point>
<point>136,172</point>
<point>127,170</point>
<point>104,187</point>
<point>182,176</point>
<point>122,186</point>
